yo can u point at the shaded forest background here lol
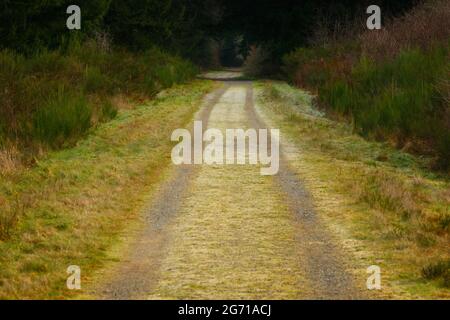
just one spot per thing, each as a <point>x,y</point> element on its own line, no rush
<point>182,26</point>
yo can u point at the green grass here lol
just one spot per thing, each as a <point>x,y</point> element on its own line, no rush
<point>65,116</point>
<point>74,204</point>
<point>96,81</point>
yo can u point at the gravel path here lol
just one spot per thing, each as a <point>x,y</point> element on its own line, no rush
<point>227,232</point>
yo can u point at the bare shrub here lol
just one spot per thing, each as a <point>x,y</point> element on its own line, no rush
<point>330,32</point>
<point>423,27</point>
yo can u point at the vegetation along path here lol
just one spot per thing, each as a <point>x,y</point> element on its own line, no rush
<point>140,227</point>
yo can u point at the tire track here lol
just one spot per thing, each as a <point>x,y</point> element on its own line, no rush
<point>325,267</point>
<point>138,273</point>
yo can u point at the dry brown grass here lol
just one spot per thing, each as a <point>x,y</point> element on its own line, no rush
<point>405,207</point>
<point>122,102</point>
<point>389,193</point>
<point>9,160</point>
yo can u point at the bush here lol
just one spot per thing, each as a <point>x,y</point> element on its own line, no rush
<point>65,117</point>
<point>314,67</point>
<point>399,97</point>
<point>396,98</point>
<point>393,84</point>
<point>37,105</point>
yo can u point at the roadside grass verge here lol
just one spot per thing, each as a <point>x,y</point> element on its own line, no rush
<point>389,209</point>
<point>73,205</point>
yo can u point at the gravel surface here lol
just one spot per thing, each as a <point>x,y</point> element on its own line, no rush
<point>227,232</point>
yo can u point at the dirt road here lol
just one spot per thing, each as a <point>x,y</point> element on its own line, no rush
<point>228,232</point>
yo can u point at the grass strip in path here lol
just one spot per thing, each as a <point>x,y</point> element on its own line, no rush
<point>233,237</point>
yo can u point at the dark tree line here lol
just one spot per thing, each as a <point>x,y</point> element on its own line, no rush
<point>286,24</point>
<point>27,25</point>
<point>178,25</point>
<point>183,26</point>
